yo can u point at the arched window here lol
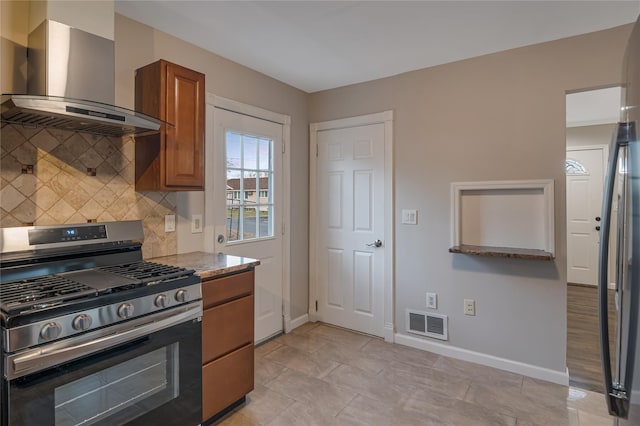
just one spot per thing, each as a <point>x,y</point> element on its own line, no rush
<point>574,167</point>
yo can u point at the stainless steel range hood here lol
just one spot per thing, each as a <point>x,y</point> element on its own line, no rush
<point>70,85</point>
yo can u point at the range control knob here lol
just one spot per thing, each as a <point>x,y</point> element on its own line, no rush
<point>160,301</point>
<point>125,310</point>
<point>182,296</point>
<point>50,331</point>
<point>81,322</point>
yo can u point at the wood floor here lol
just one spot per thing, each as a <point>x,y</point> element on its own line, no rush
<point>583,339</point>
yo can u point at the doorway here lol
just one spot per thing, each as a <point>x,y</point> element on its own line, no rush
<point>585,167</point>
<point>591,121</point>
<point>351,232</point>
<point>247,201</point>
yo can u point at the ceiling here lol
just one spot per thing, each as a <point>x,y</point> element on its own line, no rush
<point>318,45</point>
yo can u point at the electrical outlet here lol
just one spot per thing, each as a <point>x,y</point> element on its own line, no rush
<point>469,307</point>
<point>432,300</point>
<point>170,223</point>
<point>196,223</point>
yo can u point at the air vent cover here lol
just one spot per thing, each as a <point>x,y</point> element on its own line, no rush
<point>427,324</point>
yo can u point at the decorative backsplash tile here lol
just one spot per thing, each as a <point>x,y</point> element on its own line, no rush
<point>76,178</point>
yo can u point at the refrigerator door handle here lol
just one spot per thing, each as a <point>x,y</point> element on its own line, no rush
<point>615,393</point>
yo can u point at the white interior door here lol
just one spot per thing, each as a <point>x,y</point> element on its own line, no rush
<point>585,179</point>
<point>350,266</point>
<point>248,206</point>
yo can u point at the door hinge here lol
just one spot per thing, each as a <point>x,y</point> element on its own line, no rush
<point>316,306</point>
<point>283,149</point>
<point>283,225</point>
<point>316,150</point>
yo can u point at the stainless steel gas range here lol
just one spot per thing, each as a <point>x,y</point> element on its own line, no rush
<point>92,334</point>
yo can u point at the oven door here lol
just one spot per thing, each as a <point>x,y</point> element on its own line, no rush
<point>146,378</point>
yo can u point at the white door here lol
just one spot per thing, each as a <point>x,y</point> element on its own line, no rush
<point>585,179</point>
<point>350,265</point>
<point>248,206</point>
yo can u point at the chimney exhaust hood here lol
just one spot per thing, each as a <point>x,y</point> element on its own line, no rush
<point>65,67</point>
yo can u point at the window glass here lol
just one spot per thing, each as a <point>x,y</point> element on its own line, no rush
<point>249,162</point>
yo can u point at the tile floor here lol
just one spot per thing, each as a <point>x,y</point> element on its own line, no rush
<point>322,375</point>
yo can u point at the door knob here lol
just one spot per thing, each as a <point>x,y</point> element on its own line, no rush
<point>597,228</point>
<point>376,243</point>
<point>597,218</point>
<point>220,239</point>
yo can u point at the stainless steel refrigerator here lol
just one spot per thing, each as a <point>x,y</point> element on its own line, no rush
<point>620,246</point>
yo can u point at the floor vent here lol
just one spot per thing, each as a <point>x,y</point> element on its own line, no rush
<point>427,324</point>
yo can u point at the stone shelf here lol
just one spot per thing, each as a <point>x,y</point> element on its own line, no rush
<point>514,253</point>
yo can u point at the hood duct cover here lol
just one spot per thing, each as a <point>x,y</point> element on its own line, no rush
<point>65,66</point>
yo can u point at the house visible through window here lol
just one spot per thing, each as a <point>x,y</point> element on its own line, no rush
<point>249,162</point>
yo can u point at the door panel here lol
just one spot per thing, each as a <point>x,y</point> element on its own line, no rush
<point>351,216</point>
<point>363,282</point>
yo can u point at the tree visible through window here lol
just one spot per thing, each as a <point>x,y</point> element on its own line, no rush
<point>249,162</point>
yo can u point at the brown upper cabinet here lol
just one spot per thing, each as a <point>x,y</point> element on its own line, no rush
<point>173,159</point>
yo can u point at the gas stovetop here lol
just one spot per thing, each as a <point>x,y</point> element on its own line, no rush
<point>43,292</point>
<point>84,281</point>
<point>48,272</point>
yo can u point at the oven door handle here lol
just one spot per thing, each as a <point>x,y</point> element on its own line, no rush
<point>38,359</point>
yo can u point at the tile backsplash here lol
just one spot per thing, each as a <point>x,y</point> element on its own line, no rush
<point>51,176</point>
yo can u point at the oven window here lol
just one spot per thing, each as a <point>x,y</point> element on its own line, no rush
<point>123,392</point>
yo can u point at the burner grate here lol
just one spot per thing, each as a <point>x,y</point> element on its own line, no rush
<point>32,294</point>
<point>40,292</point>
<point>147,272</point>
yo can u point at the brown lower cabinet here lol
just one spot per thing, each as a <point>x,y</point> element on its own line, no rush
<point>227,341</point>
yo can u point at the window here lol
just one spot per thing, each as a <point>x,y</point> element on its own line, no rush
<point>574,167</point>
<point>249,162</point>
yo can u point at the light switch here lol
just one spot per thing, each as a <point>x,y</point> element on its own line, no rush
<point>409,216</point>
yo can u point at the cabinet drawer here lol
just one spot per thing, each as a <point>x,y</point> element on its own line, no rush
<point>226,327</point>
<point>226,380</point>
<point>220,290</point>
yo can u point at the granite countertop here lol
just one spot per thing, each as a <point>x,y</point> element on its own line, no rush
<point>208,265</point>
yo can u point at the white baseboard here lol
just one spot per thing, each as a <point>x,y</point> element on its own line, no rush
<point>559,377</point>
<point>295,323</point>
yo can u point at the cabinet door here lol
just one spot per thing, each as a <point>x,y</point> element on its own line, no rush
<point>184,150</point>
<point>221,290</point>
<point>226,380</point>
<point>226,327</point>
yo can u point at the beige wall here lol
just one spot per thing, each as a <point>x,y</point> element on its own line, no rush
<point>496,117</point>
<point>138,45</point>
